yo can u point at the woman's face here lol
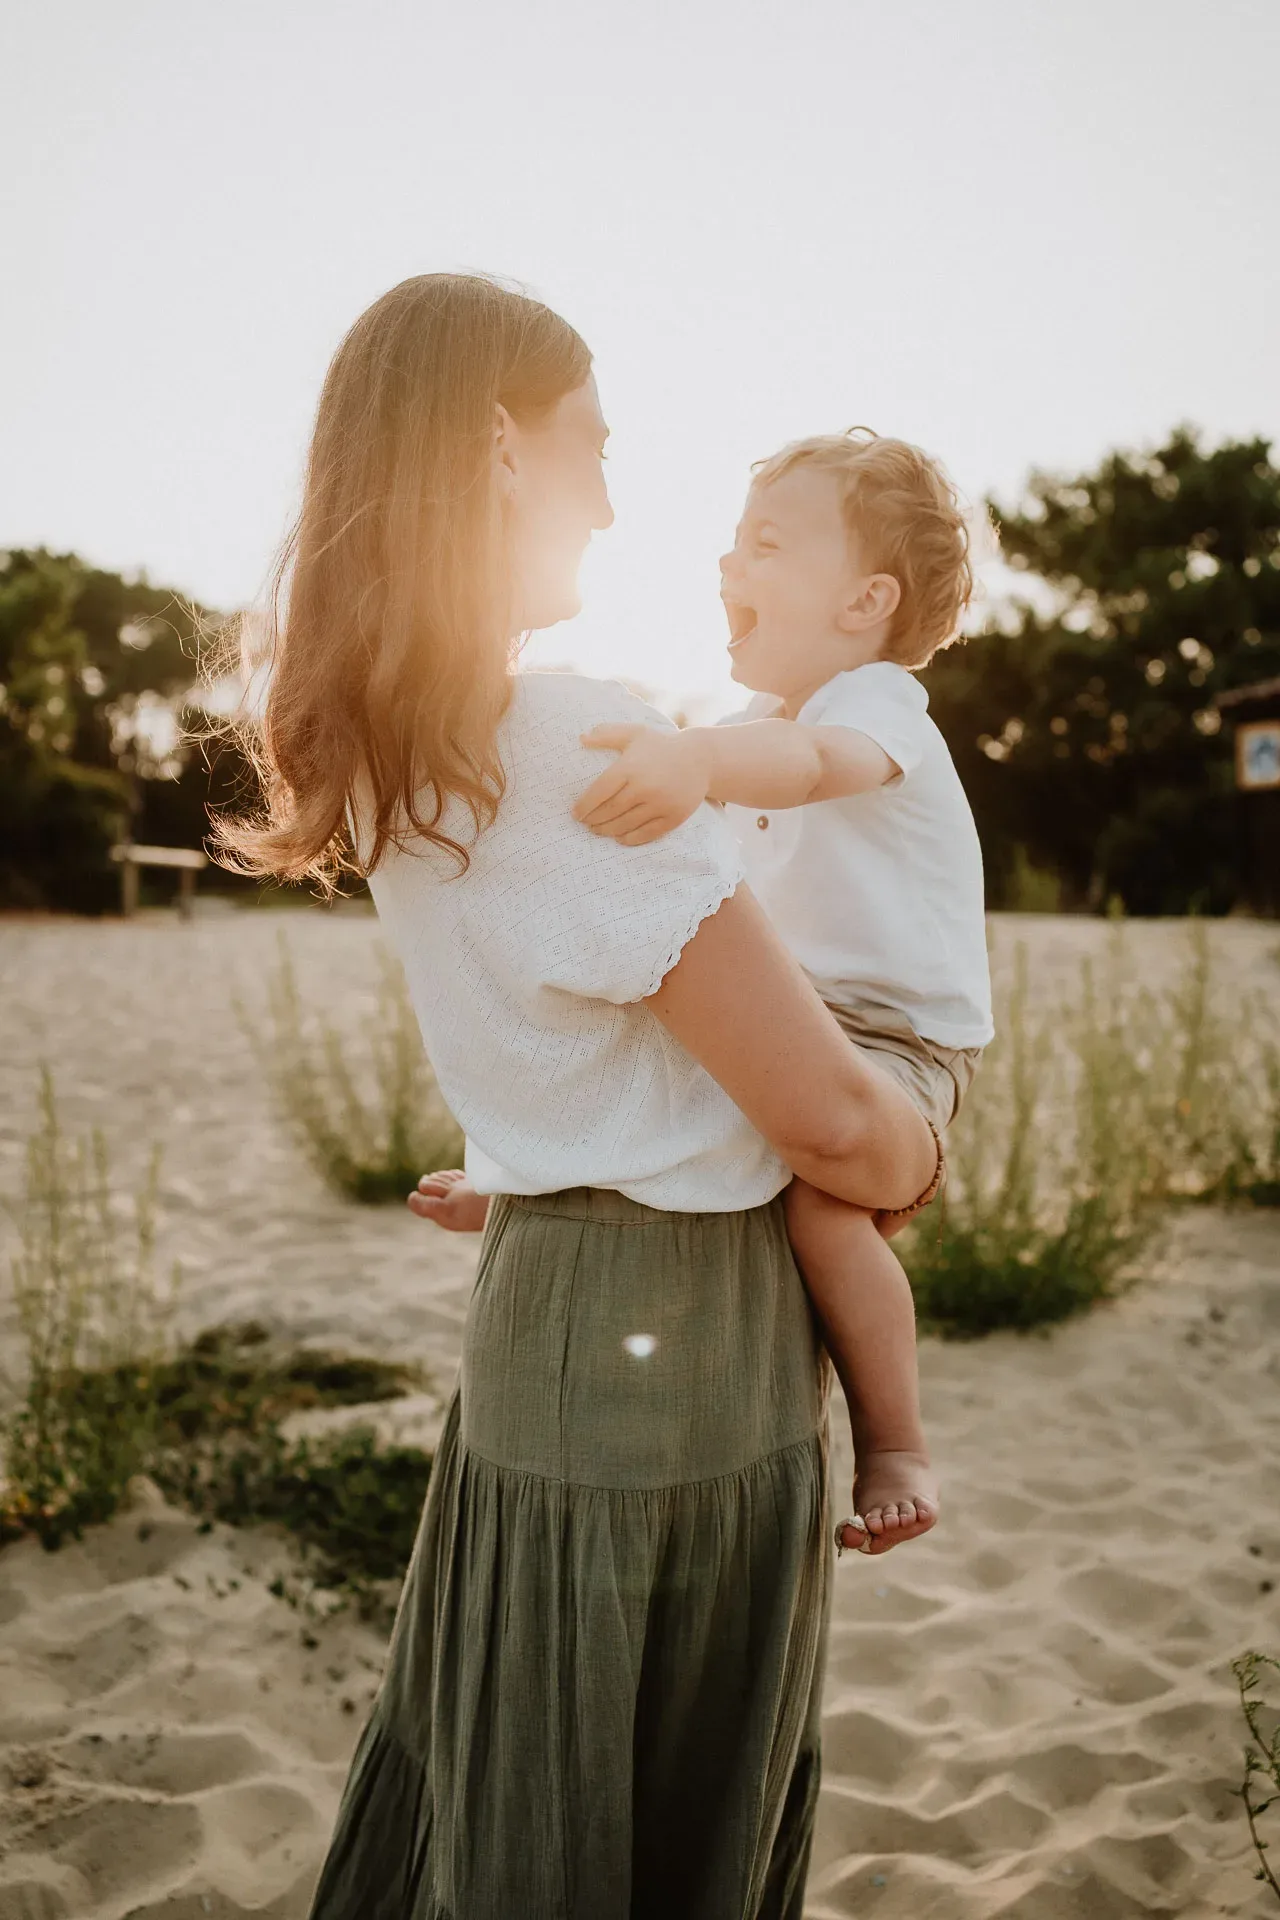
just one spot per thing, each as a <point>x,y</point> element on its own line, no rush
<point>552,479</point>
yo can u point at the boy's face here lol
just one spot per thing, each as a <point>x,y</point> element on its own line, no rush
<point>785,584</point>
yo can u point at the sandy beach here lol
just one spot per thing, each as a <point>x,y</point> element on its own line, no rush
<point>1030,1713</point>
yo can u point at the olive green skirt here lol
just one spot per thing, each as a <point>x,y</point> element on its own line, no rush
<point>601,1698</point>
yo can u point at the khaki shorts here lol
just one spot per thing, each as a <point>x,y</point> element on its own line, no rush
<point>936,1077</point>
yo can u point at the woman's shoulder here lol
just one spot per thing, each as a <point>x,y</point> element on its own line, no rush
<point>562,705</point>
<point>541,746</point>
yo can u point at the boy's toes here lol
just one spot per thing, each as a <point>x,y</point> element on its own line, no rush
<point>893,1524</point>
<point>442,1181</point>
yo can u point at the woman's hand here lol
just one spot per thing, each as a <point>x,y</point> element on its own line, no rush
<point>653,786</point>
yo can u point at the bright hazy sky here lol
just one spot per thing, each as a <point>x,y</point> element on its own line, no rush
<point>1016,232</point>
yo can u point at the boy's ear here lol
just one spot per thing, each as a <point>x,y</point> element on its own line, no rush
<point>874,598</point>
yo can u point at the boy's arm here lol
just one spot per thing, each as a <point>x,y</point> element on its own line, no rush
<point>659,778</point>
<point>777,763</point>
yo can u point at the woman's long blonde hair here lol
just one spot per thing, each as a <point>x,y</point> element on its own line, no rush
<point>388,635</point>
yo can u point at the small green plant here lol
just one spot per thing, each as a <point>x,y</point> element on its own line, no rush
<point>108,1396</point>
<point>1086,1116</point>
<point>1023,1238</point>
<point>1192,1108</point>
<point>352,1505</point>
<point>369,1130</point>
<point>88,1304</point>
<point>205,1422</point>
<point>1261,1757</point>
<point>1252,1169</point>
<point>979,1280</point>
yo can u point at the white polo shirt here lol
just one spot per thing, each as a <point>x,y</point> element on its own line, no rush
<point>880,895</point>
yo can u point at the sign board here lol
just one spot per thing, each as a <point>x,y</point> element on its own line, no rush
<point>1258,755</point>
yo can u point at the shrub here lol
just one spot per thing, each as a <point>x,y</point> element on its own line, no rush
<point>1085,1117</point>
<point>88,1305</point>
<point>371,1130</point>
<point>1019,1241</point>
<point>108,1396</point>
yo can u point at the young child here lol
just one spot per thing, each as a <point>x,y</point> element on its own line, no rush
<point>850,568</point>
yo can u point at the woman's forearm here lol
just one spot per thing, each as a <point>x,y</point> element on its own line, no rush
<point>741,1005</point>
<point>878,1144</point>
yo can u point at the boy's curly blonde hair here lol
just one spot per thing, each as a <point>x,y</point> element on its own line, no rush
<point>907,518</point>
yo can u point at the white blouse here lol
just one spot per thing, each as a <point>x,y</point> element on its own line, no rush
<point>525,974</point>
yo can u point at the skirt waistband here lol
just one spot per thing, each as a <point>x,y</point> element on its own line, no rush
<point>608,1205</point>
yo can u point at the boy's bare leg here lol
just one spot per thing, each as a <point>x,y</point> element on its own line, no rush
<point>451,1201</point>
<point>863,1298</point>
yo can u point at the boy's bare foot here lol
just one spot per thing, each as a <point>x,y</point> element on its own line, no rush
<point>451,1201</point>
<point>896,1494</point>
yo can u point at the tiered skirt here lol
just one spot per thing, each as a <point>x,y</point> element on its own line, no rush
<point>601,1699</point>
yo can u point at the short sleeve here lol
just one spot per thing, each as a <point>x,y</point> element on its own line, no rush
<point>581,913</point>
<point>883,701</point>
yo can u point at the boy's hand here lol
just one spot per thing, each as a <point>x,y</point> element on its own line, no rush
<point>653,786</point>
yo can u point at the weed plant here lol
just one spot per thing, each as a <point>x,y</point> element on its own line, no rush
<point>1022,1239</point>
<point>205,1423</point>
<point>1084,1117</point>
<point>108,1395</point>
<point>1261,1757</point>
<point>89,1307</point>
<point>352,1505</point>
<point>371,1128</point>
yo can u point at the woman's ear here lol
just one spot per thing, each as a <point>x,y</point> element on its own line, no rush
<point>875,598</point>
<point>505,435</point>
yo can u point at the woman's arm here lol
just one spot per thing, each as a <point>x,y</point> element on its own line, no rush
<point>743,1007</point>
<point>659,779</point>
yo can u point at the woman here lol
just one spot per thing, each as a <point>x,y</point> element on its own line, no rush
<point>602,1691</point>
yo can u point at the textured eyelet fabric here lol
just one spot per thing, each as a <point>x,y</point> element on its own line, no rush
<point>526,974</point>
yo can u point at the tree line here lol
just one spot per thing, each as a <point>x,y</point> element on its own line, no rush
<point>1082,717</point>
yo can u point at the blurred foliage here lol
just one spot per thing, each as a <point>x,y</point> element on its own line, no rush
<point>1083,725</point>
<point>1082,721</point>
<point>95,675</point>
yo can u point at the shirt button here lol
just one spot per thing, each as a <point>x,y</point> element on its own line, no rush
<point>762,821</point>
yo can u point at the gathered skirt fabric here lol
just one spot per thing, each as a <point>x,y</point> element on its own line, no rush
<point>602,1693</point>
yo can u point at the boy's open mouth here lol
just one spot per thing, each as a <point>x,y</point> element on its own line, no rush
<point>742,622</point>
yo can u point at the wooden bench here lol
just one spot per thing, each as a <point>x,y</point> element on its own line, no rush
<point>187,860</point>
